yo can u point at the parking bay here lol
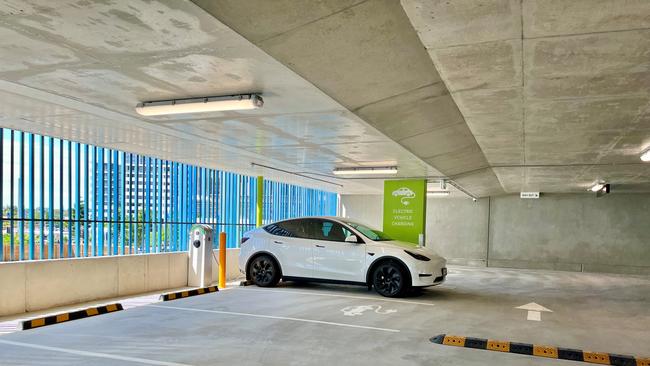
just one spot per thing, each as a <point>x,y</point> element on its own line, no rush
<point>314,324</point>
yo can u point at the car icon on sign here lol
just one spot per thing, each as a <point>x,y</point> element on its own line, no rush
<point>406,194</point>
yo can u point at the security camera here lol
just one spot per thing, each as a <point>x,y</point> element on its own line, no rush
<point>474,199</point>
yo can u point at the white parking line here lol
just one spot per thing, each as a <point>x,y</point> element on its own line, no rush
<point>93,354</point>
<point>336,295</point>
<point>277,318</point>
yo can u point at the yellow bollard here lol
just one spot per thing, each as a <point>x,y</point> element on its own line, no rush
<point>222,260</point>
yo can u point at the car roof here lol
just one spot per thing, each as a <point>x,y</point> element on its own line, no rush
<point>340,219</point>
<point>334,218</point>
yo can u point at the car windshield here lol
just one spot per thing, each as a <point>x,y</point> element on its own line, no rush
<point>371,234</point>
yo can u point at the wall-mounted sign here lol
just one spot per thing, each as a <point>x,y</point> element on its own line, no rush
<point>404,209</point>
<point>529,195</point>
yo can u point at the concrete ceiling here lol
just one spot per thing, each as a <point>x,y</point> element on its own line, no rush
<point>500,96</point>
<point>366,55</point>
<point>76,71</point>
<point>555,92</point>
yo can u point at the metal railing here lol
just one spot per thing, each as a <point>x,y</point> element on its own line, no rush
<point>63,199</point>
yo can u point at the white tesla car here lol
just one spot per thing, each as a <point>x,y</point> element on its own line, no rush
<point>336,250</point>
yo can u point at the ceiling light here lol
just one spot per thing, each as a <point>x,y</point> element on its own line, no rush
<point>646,155</point>
<point>366,170</point>
<point>438,193</point>
<point>597,187</point>
<point>200,105</point>
<point>601,189</point>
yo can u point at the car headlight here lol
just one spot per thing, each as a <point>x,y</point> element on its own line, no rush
<point>417,256</point>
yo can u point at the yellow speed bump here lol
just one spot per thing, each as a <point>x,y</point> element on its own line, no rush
<point>64,317</point>
<point>454,341</point>
<point>545,351</point>
<point>643,362</point>
<point>541,351</point>
<point>596,357</point>
<point>498,346</point>
<point>188,293</point>
<point>38,322</point>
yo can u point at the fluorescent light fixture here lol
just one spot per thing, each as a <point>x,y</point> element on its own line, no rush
<point>597,187</point>
<point>366,171</point>
<point>600,189</point>
<point>438,193</point>
<point>646,155</point>
<point>200,105</point>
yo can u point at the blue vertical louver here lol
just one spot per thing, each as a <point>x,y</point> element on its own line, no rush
<point>63,199</point>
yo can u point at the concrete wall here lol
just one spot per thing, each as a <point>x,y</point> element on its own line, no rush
<point>232,265</point>
<point>571,232</point>
<point>366,209</point>
<point>36,285</point>
<point>458,229</point>
<point>43,284</point>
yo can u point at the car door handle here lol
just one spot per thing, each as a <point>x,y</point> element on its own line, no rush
<point>278,242</point>
<point>320,246</point>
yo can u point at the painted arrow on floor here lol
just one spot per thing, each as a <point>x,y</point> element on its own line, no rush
<point>534,311</point>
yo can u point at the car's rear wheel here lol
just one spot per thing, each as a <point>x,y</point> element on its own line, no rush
<point>264,271</point>
<point>390,279</point>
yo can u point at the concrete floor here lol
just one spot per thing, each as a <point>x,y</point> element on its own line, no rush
<point>306,324</point>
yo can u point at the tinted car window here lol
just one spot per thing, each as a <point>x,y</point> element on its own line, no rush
<point>291,228</point>
<point>327,230</point>
<point>371,234</point>
<point>278,230</point>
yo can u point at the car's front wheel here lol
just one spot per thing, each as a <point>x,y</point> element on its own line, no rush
<point>264,271</point>
<point>390,279</point>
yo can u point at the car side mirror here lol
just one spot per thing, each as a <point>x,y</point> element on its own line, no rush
<point>352,239</point>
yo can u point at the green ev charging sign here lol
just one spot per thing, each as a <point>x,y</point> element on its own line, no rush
<point>404,209</point>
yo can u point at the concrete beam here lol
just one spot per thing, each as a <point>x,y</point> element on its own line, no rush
<point>366,56</point>
<point>543,18</point>
<point>546,87</point>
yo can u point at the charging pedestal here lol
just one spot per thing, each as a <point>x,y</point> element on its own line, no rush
<point>200,256</point>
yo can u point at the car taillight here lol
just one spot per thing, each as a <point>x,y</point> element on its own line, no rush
<point>243,240</point>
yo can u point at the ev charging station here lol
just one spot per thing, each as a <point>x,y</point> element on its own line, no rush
<point>200,256</point>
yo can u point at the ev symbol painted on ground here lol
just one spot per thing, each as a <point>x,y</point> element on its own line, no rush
<point>360,309</point>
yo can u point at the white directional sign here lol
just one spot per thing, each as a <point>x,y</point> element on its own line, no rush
<point>534,311</point>
<point>529,195</point>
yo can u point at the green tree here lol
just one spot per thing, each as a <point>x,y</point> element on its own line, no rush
<point>82,211</point>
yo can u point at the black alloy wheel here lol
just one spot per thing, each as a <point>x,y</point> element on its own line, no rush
<point>389,280</point>
<point>264,271</point>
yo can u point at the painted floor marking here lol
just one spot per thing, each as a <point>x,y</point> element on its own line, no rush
<point>534,311</point>
<point>344,296</point>
<point>277,318</point>
<point>534,316</point>
<point>360,309</point>
<point>93,354</point>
